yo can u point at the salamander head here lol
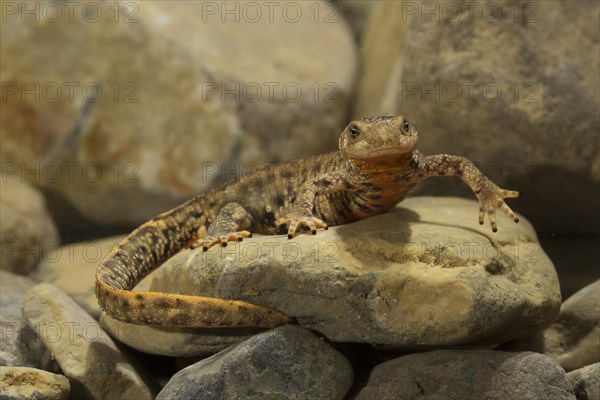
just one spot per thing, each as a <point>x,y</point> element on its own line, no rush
<point>379,139</point>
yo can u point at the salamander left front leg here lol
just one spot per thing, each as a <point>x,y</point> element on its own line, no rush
<point>301,214</point>
<point>296,220</point>
<point>490,196</point>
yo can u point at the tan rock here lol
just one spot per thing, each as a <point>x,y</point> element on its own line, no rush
<point>72,268</point>
<point>85,353</point>
<point>574,339</point>
<point>424,274</point>
<point>22,383</point>
<point>27,230</point>
<point>196,103</point>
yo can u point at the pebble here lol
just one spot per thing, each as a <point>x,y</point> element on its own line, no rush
<point>22,383</point>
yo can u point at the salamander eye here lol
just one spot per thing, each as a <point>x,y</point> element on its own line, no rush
<point>354,132</point>
<point>405,125</point>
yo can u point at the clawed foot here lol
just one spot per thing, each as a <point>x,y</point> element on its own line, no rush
<point>490,199</point>
<point>296,221</point>
<point>209,241</point>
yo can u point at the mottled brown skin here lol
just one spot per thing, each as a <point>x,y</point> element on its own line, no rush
<point>376,167</point>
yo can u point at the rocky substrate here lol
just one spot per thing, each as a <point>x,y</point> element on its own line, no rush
<point>418,303</point>
<point>428,313</point>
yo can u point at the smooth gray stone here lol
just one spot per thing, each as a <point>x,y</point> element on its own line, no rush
<point>284,363</point>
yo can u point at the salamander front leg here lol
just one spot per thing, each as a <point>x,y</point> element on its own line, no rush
<point>229,226</point>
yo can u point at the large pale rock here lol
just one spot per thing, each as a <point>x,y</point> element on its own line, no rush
<point>85,353</point>
<point>586,382</point>
<point>425,273</point>
<point>22,383</point>
<point>27,231</point>
<point>508,85</point>
<point>72,268</point>
<point>574,339</point>
<point>450,375</point>
<point>20,345</point>
<point>284,363</point>
<point>201,99</point>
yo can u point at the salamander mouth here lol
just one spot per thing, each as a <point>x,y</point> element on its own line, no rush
<point>384,152</point>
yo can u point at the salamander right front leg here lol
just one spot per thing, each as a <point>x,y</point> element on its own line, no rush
<point>229,226</point>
